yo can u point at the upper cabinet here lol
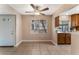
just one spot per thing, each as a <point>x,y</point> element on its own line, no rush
<point>57,21</point>
<point>75,21</point>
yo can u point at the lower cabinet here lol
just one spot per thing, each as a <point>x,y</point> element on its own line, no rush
<point>64,38</point>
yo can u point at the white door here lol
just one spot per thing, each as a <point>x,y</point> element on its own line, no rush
<point>7,30</point>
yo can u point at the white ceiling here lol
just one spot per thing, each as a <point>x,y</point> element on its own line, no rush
<point>21,8</point>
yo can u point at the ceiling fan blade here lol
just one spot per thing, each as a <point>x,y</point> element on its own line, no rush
<point>32,5</point>
<point>28,12</point>
<point>44,9</point>
<point>42,14</point>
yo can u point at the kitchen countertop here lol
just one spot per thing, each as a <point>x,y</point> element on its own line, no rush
<point>63,32</point>
<point>77,32</point>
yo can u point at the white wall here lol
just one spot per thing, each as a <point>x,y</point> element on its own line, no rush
<point>6,9</point>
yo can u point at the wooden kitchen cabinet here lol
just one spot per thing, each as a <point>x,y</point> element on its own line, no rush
<point>61,37</point>
<point>75,20</point>
<point>64,38</point>
<point>57,21</point>
<point>68,38</point>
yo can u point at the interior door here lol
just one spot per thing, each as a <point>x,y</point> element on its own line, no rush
<point>7,30</point>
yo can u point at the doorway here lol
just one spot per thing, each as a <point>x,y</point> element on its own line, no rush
<point>7,30</point>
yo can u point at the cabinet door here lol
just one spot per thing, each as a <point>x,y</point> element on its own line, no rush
<point>61,38</point>
<point>57,21</point>
<point>68,38</point>
<point>77,20</point>
<point>73,20</point>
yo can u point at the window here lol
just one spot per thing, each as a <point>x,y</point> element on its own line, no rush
<point>39,26</point>
<point>64,26</point>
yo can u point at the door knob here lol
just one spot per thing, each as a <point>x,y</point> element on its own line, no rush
<point>12,33</point>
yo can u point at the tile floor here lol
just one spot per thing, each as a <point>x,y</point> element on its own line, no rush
<point>36,48</point>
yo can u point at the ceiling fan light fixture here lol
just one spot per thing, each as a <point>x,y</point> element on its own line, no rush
<point>37,13</point>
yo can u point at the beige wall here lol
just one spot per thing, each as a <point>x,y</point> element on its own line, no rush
<point>75,42</point>
<point>28,35</point>
<point>54,34</point>
<point>18,28</point>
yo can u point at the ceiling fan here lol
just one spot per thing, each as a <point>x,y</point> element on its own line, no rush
<point>37,10</point>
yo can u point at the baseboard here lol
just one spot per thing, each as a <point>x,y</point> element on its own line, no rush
<point>17,44</point>
<point>32,41</point>
<point>54,42</point>
<point>36,40</point>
